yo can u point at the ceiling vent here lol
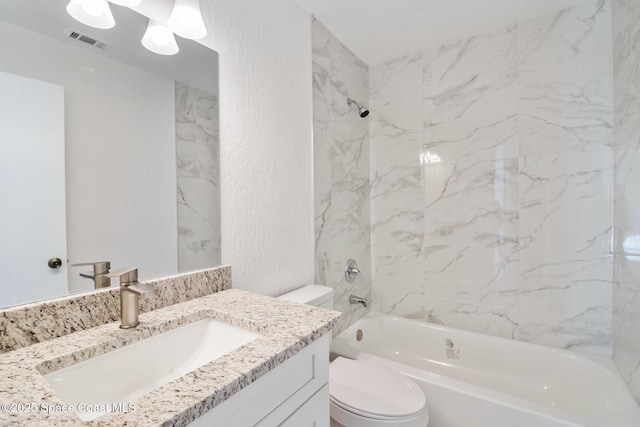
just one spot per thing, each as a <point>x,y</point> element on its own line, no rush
<point>81,37</point>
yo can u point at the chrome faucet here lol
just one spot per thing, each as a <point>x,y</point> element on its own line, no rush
<point>359,300</point>
<point>100,272</point>
<point>130,290</point>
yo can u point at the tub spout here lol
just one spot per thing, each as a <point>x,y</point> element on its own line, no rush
<point>359,300</point>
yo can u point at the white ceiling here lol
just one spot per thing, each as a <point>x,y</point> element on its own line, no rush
<point>381,30</point>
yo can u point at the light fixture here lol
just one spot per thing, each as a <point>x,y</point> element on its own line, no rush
<point>94,13</point>
<point>159,39</point>
<point>186,20</point>
<point>127,3</point>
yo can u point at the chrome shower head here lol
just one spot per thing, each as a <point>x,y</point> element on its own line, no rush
<point>361,110</point>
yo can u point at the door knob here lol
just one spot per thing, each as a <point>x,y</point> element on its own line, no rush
<point>54,263</point>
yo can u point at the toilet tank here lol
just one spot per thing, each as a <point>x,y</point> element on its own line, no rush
<point>318,296</point>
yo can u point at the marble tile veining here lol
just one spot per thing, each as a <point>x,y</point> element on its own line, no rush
<point>491,195</point>
<point>469,99</point>
<point>566,32</point>
<point>471,245</point>
<point>566,105</point>
<point>626,321</point>
<point>396,185</point>
<point>568,305</point>
<point>626,283</point>
<point>341,170</point>
<point>198,172</point>
<point>183,400</point>
<point>566,282</point>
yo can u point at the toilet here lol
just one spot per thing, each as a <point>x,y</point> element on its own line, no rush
<point>363,393</point>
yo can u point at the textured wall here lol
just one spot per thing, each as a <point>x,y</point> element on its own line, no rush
<point>198,174</point>
<point>341,170</point>
<point>626,291</point>
<point>265,141</point>
<point>491,182</point>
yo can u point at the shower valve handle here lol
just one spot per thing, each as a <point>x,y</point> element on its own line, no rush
<point>351,271</point>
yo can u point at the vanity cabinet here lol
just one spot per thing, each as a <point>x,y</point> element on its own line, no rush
<point>314,412</point>
<point>295,394</point>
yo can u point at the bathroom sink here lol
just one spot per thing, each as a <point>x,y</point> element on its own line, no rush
<point>98,385</point>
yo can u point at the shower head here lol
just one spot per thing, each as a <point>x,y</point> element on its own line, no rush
<point>361,110</point>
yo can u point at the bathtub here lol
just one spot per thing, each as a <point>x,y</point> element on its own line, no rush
<point>475,380</point>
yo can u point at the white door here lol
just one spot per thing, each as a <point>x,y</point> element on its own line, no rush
<point>32,190</point>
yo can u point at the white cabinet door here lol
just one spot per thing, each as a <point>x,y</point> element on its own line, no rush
<point>274,398</point>
<point>32,190</point>
<point>314,413</point>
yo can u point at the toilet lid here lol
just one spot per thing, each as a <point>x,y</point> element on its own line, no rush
<point>373,389</point>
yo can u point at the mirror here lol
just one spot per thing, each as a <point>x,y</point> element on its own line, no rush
<point>109,152</point>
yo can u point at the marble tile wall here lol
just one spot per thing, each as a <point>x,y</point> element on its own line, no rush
<point>198,172</point>
<point>626,290</point>
<point>491,182</point>
<point>341,170</point>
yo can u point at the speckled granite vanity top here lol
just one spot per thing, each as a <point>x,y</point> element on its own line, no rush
<point>286,329</point>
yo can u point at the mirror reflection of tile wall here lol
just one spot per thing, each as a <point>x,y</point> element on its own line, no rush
<point>197,148</point>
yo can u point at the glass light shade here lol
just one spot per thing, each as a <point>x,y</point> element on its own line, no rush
<point>127,3</point>
<point>186,20</point>
<point>94,13</point>
<point>159,39</point>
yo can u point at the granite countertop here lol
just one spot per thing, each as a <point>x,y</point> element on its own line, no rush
<point>286,328</point>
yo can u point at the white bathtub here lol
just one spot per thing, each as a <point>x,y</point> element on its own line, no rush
<point>475,380</point>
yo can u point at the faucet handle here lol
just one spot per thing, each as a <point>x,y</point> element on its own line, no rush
<point>139,289</point>
<point>99,267</point>
<point>127,275</point>
<point>351,271</point>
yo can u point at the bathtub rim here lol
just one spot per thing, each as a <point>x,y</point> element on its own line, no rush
<point>630,416</point>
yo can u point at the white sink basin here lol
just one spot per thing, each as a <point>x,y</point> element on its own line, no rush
<point>125,374</point>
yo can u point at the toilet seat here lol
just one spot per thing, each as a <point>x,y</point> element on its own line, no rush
<point>373,391</point>
<point>369,416</point>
